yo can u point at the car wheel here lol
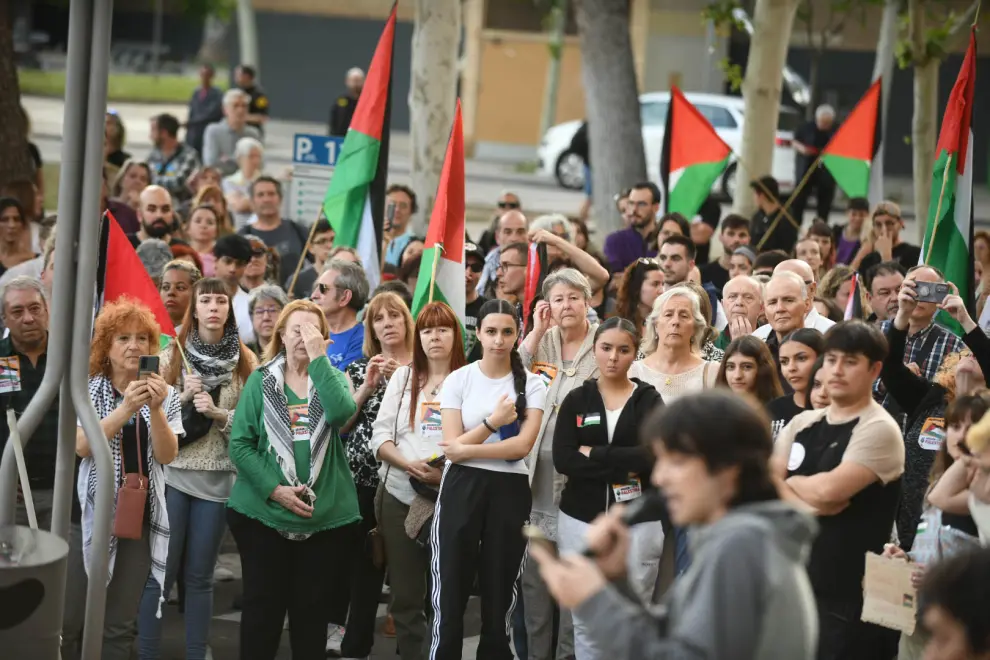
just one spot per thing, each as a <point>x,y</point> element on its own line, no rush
<point>729,182</point>
<point>570,171</point>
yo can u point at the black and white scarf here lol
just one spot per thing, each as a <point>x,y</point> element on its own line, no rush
<point>215,363</point>
<point>105,400</point>
<point>276,419</point>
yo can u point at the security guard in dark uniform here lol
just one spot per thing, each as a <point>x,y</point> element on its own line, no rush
<point>258,106</point>
<point>343,108</point>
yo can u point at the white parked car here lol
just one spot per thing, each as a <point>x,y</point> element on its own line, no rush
<point>725,114</point>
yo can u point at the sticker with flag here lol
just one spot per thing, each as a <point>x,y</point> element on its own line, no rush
<point>441,271</point>
<point>851,153</point>
<point>949,232</point>
<point>693,158</point>
<point>121,274</point>
<point>10,374</point>
<point>355,201</point>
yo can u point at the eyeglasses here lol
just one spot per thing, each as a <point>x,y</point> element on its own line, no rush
<point>507,266</point>
<point>508,205</point>
<point>323,288</point>
<point>475,266</point>
<point>266,311</point>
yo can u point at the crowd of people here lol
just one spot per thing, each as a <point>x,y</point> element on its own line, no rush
<point>347,445</point>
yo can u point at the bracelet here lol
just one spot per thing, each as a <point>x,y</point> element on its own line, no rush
<point>489,426</point>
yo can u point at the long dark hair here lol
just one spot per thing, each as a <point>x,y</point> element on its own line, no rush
<point>767,383</point>
<point>433,315</point>
<point>819,363</point>
<point>208,286</point>
<point>725,431</point>
<point>972,407</point>
<point>627,298</point>
<point>498,306</point>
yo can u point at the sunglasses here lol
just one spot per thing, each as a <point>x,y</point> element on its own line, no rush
<point>475,266</point>
<point>508,205</point>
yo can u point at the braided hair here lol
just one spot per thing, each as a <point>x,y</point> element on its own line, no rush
<point>497,306</point>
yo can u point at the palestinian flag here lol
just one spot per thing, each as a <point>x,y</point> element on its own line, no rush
<point>693,157</point>
<point>537,267</point>
<point>121,274</point>
<point>441,271</point>
<point>850,154</point>
<point>949,232</point>
<point>355,201</point>
<point>854,306</point>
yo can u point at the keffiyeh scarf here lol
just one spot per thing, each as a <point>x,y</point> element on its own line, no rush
<point>276,419</point>
<point>215,363</point>
<point>106,400</point>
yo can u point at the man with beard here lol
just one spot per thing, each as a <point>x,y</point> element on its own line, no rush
<point>156,216</point>
<point>637,241</point>
<point>172,163</point>
<point>676,258</point>
<point>885,281</point>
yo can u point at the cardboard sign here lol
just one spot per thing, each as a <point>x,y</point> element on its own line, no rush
<point>10,374</point>
<point>889,600</point>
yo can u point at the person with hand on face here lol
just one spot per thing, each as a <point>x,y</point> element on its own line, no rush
<point>400,205</point>
<point>884,241</point>
<point>596,447</point>
<point>511,229</point>
<point>742,300</point>
<point>734,235</point>
<point>233,253</point>
<point>884,283</point>
<point>491,412</point>
<point>293,510</point>
<point>178,278</point>
<point>265,304</point>
<point>200,478</point>
<point>141,417</point>
<point>923,400</point>
<point>748,369</point>
<point>846,238</point>
<point>156,215</point>
<point>676,258</point>
<point>341,292</point>
<point>405,438</point>
<point>845,462</point>
<point>637,241</point>
<point>746,596</point>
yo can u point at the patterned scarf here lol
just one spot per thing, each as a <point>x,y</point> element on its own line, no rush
<point>106,400</point>
<point>215,363</point>
<point>276,418</point>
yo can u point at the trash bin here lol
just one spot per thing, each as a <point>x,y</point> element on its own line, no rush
<point>32,592</point>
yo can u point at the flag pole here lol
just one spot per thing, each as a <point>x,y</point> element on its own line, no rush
<point>302,257</point>
<point>784,210</point>
<point>938,208</point>
<point>804,181</point>
<point>182,353</point>
<point>437,249</point>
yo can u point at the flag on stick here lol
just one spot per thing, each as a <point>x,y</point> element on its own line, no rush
<point>854,306</point>
<point>537,265</point>
<point>851,153</point>
<point>949,232</point>
<point>441,271</point>
<point>693,158</point>
<point>355,201</point>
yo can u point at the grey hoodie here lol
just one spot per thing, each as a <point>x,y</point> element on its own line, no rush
<point>745,597</point>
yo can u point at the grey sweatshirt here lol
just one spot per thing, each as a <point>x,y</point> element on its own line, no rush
<point>746,596</point>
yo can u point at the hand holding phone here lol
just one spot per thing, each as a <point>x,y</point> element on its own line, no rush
<point>147,364</point>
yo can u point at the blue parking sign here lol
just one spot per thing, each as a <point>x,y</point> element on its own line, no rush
<point>315,149</point>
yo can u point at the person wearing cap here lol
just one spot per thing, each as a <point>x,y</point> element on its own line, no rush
<point>741,262</point>
<point>474,263</point>
<point>770,228</point>
<point>734,234</point>
<point>809,140</point>
<point>233,252</point>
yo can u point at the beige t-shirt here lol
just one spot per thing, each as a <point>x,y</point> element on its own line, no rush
<point>876,441</point>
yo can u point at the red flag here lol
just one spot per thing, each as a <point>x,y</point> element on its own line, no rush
<point>124,275</point>
<point>536,272</point>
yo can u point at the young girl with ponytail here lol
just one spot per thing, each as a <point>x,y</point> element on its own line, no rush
<point>491,412</point>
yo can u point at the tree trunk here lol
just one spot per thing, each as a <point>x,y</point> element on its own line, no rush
<point>432,96</point>
<point>923,137</point>
<point>614,125</point>
<point>557,17</point>
<point>16,162</point>
<point>772,22</point>
<point>213,48</point>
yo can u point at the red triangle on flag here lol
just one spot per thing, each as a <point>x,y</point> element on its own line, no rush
<point>447,220</point>
<point>126,277</point>
<point>856,137</point>
<point>693,140</point>
<point>369,115</point>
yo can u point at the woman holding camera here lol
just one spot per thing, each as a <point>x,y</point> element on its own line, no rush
<point>141,417</point>
<point>293,509</point>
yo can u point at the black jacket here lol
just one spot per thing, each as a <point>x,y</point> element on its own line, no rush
<point>590,479</point>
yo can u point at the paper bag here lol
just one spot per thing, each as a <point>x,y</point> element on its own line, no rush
<point>889,600</point>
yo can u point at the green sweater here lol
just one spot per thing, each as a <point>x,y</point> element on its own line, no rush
<point>258,472</point>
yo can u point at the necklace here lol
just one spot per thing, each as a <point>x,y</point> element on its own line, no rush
<point>436,389</point>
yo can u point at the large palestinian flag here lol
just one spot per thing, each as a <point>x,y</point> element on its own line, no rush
<point>441,272</point>
<point>850,154</point>
<point>355,201</point>
<point>949,233</point>
<point>693,158</point>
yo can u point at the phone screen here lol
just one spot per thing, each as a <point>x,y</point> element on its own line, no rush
<point>147,364</point>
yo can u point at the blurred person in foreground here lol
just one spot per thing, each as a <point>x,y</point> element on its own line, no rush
<point>747,594</point>
<point>953,606</point>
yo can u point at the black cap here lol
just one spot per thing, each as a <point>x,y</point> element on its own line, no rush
<point>765,184</point>
<point>233,246</point>
<point>472,249</point>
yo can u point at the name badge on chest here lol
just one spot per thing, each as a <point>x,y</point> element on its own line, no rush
<point>429,419</point>
<point>10,374</point>
<point>628,491</point>
<point>932,434</point>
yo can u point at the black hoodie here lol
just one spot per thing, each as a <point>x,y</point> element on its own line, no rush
<point>588,491</point>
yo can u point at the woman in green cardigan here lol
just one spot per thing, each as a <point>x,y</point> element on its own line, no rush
<point>293,509</point>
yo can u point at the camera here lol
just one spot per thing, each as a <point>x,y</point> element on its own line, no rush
<point>933,291</point>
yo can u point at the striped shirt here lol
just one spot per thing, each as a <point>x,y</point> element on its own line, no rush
<point>916,349</point>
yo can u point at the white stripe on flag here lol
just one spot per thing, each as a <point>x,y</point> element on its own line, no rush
<point>450,280</point>
<point>367,246</point>
<point>964,193</point>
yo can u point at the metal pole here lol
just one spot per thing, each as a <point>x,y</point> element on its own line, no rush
<point>60,324</point>
<point>65,463</point>
<point>96,595</point>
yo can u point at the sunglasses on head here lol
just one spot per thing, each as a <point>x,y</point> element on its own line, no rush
<point>508,205</point>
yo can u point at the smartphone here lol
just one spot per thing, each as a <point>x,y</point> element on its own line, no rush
<point>437,462</point>
<point>389,216</point>
<point>509,430</point>
<point>147,364</point>
<point>536,536</point>
<point>933,291</point>
<point>964,448</point>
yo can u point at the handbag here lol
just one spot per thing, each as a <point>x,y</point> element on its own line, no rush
<point>935,541</point>
<point>132,497</point>
<point>195,424</point>
<point>376,542</point>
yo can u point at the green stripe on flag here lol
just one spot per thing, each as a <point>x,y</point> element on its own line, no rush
<point>852,175</point>
<point>693,186</point>
<point>348,191</point>
<point>422,294</point>
<point>949,251</point>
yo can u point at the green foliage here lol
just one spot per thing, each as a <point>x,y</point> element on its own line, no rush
<point>941,25</point>
<point>733,73</point>
<point>222,9</point>
<point>719,14</point>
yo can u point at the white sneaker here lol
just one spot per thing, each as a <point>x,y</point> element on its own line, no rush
<point>222,574</point>
<point>335,635</point>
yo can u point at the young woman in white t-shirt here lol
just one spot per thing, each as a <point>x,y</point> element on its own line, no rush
<point>405,439</point>
<point>491,413</point>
